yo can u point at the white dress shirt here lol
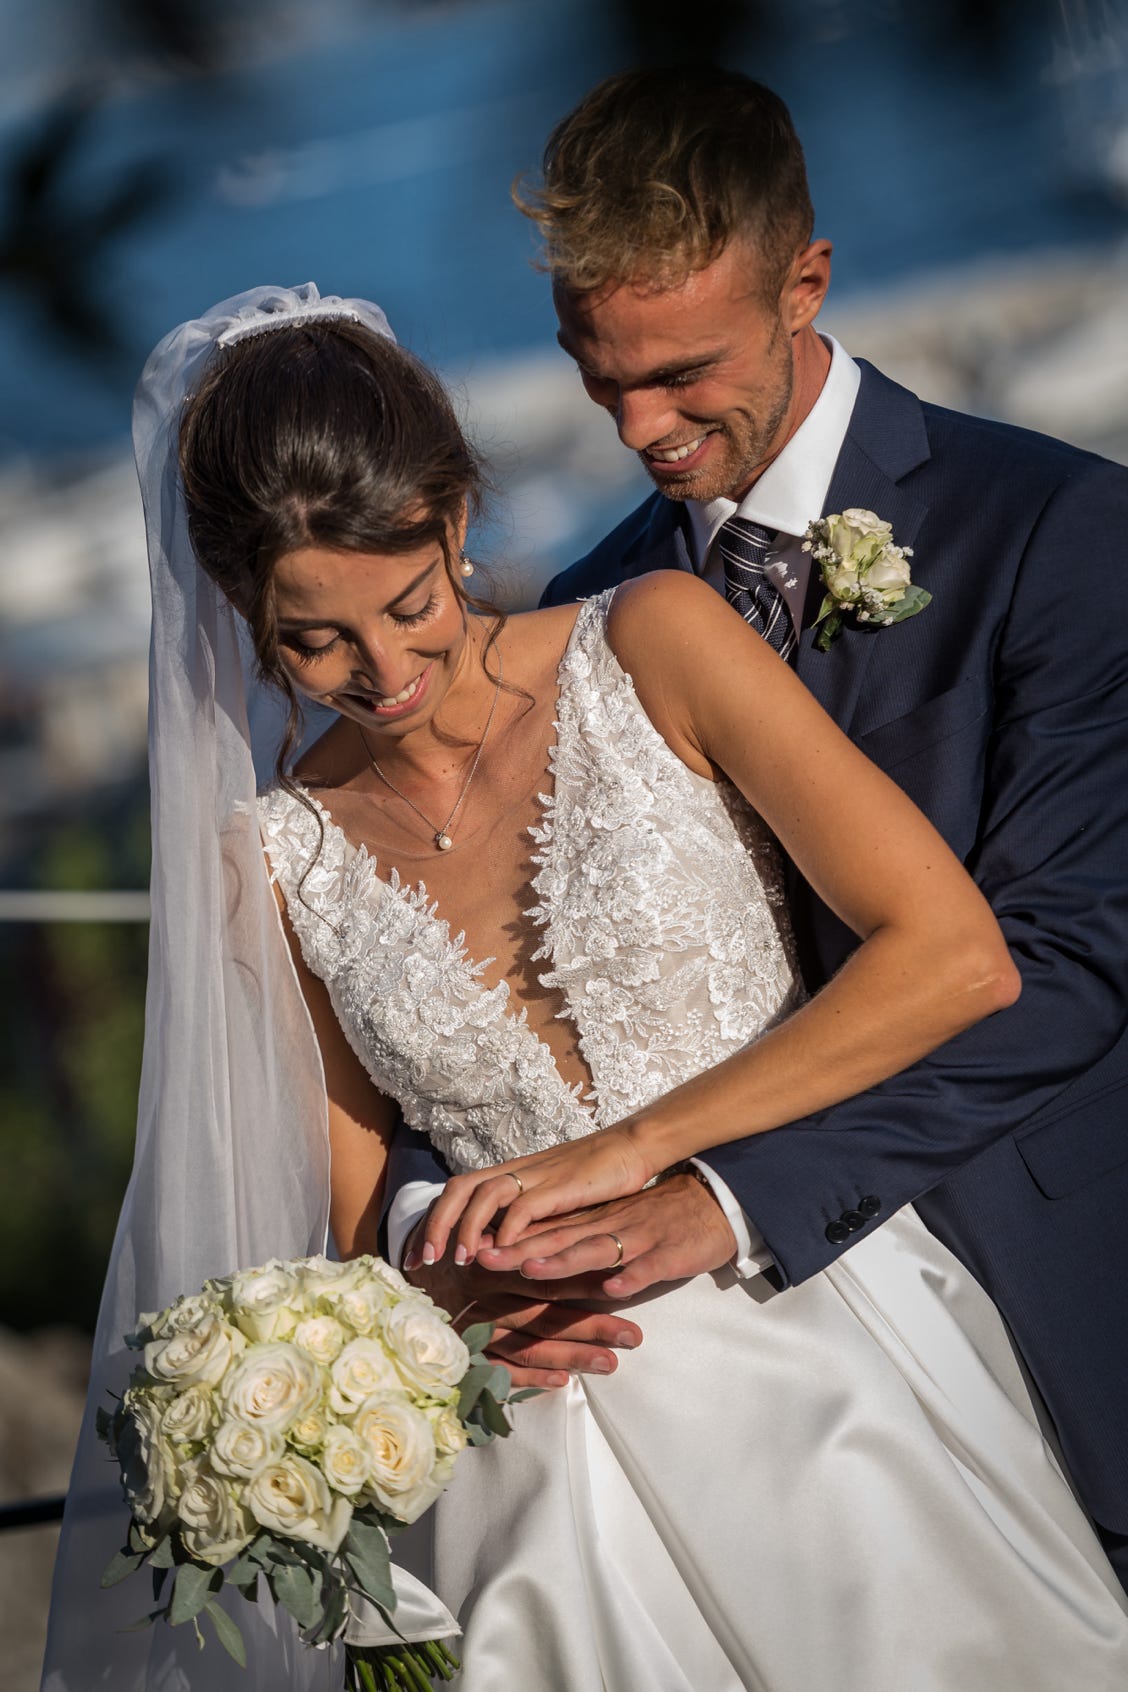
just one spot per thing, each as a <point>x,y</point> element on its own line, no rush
<point>791,491</point>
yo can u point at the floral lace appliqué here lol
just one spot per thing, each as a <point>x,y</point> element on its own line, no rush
<point>660,897</point>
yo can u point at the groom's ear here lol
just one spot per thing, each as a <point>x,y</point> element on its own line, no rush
<point>806,286</point>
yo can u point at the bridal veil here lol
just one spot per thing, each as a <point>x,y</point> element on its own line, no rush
<point>232,1156</point>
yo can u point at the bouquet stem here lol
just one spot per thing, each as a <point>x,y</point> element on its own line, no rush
<point>398,1668</point>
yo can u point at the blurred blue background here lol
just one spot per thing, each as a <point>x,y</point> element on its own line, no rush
<point>969,158</point>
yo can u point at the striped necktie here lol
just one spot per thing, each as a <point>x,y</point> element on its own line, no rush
<point>745,548</point>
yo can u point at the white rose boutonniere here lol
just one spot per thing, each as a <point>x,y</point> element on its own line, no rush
<point>863,571</point>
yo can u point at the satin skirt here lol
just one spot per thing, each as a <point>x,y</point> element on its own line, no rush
<point>845,1484</point>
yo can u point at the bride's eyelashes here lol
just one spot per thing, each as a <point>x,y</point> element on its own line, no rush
<point>306,654</point>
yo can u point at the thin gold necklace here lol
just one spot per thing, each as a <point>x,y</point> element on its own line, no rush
<point>442,836</point>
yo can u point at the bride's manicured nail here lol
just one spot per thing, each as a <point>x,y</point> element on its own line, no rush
<point>428,1253</point>
<point>411,1260</point>
<point>461,1256</point>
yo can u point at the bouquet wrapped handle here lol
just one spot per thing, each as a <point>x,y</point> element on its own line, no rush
<point>420,1616</point>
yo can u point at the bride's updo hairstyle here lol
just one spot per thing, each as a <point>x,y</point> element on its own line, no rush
<point>320,434</point>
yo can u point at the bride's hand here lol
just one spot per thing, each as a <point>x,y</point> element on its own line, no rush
<point>606,1165</point>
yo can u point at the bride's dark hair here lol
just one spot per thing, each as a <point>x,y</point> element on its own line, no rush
<point>319,434</point>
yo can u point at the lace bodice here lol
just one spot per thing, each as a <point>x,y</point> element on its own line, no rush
<point>659,898</point>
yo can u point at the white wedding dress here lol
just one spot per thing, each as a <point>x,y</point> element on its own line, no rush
<point>843,1484</point>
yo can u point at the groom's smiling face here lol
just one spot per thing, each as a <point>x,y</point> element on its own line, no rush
<point>699,377</point>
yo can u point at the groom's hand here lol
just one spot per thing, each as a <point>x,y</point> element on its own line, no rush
<point>668,1232</point>
<point>540,1334</point>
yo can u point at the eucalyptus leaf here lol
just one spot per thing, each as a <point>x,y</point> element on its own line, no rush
<point>136,1539</point>
<point>827,606</point>
<point>524,1392</point>
<point>477,1336</point>
<point>245,1568</point>
<point>494,1416</point>
<point>162,1556</point>
<point>145,1621</point>
<point>499,1383</point>
<point>367,1554</point>
<point>122,1564</point>
<point>477,1434</point>
<point>194,1584</point>
<point>227,1632</point>
<point>473,1383</point>
<point>159,1578</point>
<point>297,1590</point>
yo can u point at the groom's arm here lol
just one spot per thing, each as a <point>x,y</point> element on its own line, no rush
<point>1050,856</point>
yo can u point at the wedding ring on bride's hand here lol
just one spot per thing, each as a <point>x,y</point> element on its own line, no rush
<point>618,1260</point>
<point>517,1178</point>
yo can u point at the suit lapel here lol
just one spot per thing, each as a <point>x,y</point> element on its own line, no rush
<point>886,439</point>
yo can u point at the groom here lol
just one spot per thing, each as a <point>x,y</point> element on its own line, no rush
<point>678,231</point>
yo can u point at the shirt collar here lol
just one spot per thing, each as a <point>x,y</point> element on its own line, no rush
<point>793,489</point>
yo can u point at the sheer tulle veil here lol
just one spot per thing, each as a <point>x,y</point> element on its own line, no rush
<point>232,1156</point>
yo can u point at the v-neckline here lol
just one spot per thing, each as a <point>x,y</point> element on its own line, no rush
<point>424,908</point>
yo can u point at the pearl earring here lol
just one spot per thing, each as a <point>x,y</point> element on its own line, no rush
<point>465,568</point>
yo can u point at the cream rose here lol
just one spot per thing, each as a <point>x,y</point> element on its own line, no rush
<point>238,1449</point>
<point>449,1434</point>
<point>843,584</point>
<point>213,1526</point>
<point>272,1386</point>
<point>345,1462</point>
<point>363,1368</point>
<point>188,1416</point>
<point>429,1355</point>
<point>195,1356</point>
<point>361,1306</point>
<point>309,1432</point>
<point>149,1470</point>
<point>266,1303</point>
<point>401,1451</point>
<point>322,1336</point>
<point>291,1497</point>
<point>889,575</point>
<point>322,1275</point>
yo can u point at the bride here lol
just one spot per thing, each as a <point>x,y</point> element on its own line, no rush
<point>530,885</point>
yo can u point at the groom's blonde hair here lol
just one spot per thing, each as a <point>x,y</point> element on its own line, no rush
<point>656,171</point>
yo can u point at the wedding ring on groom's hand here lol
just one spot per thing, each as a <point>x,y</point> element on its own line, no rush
<point>618,1260</point>
<point>517,1178</point>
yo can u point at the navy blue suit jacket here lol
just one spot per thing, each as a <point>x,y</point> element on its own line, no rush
<point>1002,710</point>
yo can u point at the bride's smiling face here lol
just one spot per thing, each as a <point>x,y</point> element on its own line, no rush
<point>378,637</point>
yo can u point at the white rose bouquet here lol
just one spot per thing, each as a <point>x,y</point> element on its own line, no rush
<point>283,1422</point>
<point>863,571</point>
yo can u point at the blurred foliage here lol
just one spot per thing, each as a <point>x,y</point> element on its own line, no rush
<point>70,1058</point>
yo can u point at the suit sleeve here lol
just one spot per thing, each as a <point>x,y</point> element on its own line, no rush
<point>1051,854</point>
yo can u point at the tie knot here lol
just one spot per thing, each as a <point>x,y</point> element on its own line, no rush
<point>743,537</point>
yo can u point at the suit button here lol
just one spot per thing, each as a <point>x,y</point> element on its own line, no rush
<point>869,1206</point>
<point>836,1232</point>
<point>853,1220</point>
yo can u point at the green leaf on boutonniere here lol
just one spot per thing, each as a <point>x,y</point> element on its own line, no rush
<point>830,630</point>
<point>913,599</point>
